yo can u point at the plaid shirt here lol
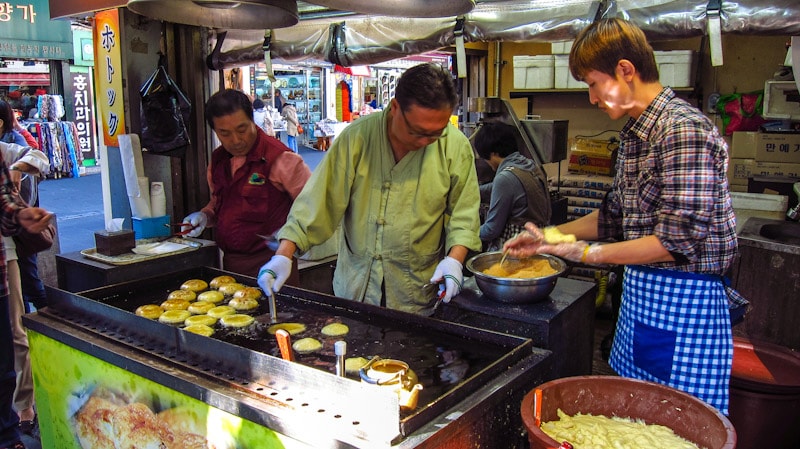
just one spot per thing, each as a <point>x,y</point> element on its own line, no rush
<point>671,183</point>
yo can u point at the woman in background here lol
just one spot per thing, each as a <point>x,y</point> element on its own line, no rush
<point>7,132</point>
<point>290,114</point>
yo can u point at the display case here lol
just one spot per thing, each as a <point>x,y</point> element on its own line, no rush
<point>301,86</point>
<point>304,89</point>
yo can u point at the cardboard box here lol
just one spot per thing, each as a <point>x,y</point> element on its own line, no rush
<point>593,156</point>
<point>561,47</point>
<point>743,145</point>
<point>586,181</point>
<point>563,77</point>
<point>739,170</point>
<point>147,228</point>
<point>778,147</point>
<point>534,72</point>
<point>114,243</point>
<point>675,67</point>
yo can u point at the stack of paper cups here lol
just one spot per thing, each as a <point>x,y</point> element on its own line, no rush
<point>140,204</point>
<point>158,200</point>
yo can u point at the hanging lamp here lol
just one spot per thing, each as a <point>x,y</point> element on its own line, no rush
<point>402,8</point>
<point>225,14</point>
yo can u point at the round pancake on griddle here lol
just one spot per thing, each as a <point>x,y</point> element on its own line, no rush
<point>150,311</point>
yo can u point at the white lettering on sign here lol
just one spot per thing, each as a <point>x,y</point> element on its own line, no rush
<point>24,13</point>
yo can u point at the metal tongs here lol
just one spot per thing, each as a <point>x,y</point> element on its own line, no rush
<point>434,289</point>
<point>181,232</point>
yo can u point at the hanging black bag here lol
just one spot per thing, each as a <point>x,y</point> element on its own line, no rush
<point>164,114</point>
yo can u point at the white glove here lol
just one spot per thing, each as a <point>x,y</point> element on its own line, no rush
<point>197,219</point>
<point>451,272</point>
<point>274,273</point>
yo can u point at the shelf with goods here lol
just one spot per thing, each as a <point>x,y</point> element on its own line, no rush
<point>304,89</point>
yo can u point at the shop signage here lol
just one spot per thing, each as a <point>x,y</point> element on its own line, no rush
<point>108,74</point>
<point>84,112</point>
<point>26,31</point>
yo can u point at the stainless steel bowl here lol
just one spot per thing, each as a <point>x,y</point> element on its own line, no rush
<point>514,290</point>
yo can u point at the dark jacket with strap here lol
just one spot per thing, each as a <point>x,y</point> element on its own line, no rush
<point>248,204</point>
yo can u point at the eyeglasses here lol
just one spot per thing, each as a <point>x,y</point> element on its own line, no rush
<point>420,135</point>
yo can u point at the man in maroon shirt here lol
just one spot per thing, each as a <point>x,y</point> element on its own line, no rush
<point>253,179</point>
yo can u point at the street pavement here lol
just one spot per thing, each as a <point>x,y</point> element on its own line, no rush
<point>78,205</point>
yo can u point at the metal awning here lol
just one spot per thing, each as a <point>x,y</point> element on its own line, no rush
<point>24,79</point>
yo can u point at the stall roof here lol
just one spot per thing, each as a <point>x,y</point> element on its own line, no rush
<point>352,39</point>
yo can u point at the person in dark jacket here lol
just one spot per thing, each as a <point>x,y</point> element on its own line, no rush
<point>518,193</point>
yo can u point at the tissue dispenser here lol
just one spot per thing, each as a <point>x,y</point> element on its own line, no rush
<point>114,243</point>
<point>148,228</point>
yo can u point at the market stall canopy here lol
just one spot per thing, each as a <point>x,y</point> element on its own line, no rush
<point>24,79</point>
<point>268,14</point>
<point>357,39</point>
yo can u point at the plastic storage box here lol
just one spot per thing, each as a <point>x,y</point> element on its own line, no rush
<point>534,72</point>
<point>563,78</point>
<point>675,67</point>
<point>147,228</point>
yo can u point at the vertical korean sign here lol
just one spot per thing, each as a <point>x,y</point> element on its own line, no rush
<point>83,101</point>
<point>108,74</point>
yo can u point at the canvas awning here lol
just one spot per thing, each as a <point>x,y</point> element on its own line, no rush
<point>24,79</point>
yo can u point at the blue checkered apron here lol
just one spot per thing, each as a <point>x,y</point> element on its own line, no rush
<point>674,329</point>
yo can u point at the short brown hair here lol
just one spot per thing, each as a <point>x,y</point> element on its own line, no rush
<point>601,45</point>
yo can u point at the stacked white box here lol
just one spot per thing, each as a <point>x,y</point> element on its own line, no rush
<point>561,47</point>
<point>534,72</point>
<point>675,67</point>
<point>564,79</point>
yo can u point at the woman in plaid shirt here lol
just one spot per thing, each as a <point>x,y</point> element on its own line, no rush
<point>670,210</point>
<point>14,214</point>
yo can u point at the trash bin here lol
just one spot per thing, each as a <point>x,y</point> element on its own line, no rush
<point>765,395</point>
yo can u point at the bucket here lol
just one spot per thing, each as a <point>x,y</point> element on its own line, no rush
<point>765,395</point>
<point>653,403</point>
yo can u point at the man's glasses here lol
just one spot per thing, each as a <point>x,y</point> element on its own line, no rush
<point>420,135</point>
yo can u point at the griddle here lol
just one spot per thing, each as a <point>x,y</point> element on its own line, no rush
<point>249,358</point>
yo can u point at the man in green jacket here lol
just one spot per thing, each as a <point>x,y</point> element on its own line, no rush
<point>403,186</point>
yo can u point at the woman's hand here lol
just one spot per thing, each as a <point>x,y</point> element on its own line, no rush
<point>526,243</point>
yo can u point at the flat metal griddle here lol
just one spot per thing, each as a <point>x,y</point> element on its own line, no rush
<point>426,344</point>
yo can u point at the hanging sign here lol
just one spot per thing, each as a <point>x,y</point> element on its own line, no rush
<point>26,31</point>
<point>108,74</point>
<point>83,102</point>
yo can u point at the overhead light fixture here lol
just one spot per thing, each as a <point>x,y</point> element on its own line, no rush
<point>402,8</point>
<point>226,14</point>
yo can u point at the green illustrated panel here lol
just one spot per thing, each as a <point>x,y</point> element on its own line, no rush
<point>84,402</point>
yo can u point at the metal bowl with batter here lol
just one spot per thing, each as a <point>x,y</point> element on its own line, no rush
<point>514,290</point>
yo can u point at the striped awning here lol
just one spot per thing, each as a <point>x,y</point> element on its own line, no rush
<point>24,79</point>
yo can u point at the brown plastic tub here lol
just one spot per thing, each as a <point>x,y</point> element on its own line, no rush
<point>610,396</point>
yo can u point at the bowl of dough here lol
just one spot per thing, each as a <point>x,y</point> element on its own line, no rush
<point>516,281</point>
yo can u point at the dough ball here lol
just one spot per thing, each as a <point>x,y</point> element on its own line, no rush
<point>553,236</point>
<point>212,296</point>
<point>230,289</point>
<point>207,320</point>
<point>200,329</point>
<point>150,311</point>
<point>236,320</point>
<point>200,307</point>
<point>248,293</point>
<point>335,330</point>
<point>195,285</point>
<point>174,316</point>
<point>353,364</point>
<point>186,295</point>
<point>306,345</point>
<point>175,304</point>
<point>291,328</point>
<point>221,311</point>
<point>243,303</point>
<point>219,280</point>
